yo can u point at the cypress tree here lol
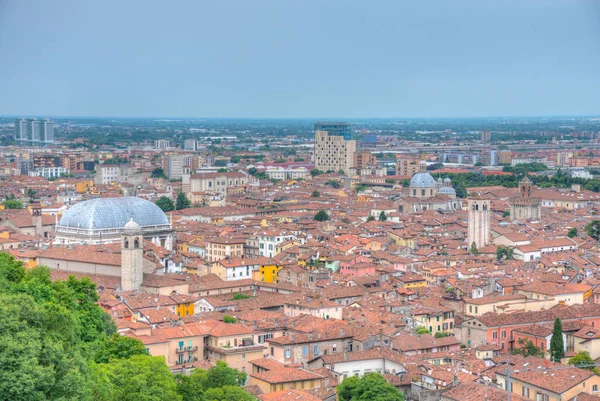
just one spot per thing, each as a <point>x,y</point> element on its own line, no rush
<point>557,346</point>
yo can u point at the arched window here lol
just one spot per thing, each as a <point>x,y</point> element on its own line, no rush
<point>126,243</point>
<point>136,243</point>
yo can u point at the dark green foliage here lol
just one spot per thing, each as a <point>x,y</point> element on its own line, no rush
<point>441,334</point>
<point>557,346</point>
<point>46,332</point>
<point>506,213</point>
<point>505,252</point>
<point>119,347</point>
<point>182,202</point>
<point>473,249</point>
<point>321,216</point>
<point>572,233</point>
<point>165,204</point>
<point>315,171</point>
<point>158,173</point>
<point>315,194</point>
<point>333,184</point>
<point>140,377</point>
<point>13,204</point>
<point>382,216</point>
<point>220,163</point>
<point>220,383</point>
<point>435,166</point>
<point>527,348</point>
<point>238,295</point>
<point>370,218</point>
<point>593,229</point>
<point>370,387</point>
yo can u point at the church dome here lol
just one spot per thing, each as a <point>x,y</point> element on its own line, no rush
<point>447,191</point>
<point>115,213</point>
<point>422,180</point>
<point>447,180</point>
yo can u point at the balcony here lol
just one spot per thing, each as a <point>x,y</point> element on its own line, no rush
<point>181,350</point>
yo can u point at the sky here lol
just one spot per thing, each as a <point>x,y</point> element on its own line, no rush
<point>299,58</point>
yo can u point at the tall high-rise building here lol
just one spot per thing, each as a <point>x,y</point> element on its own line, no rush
<point>408,164</point>
<point>335,129</point>
<point>47,131</point>
<point>486,136</point>
<point>161,143</point>
<point>333,152</point>
<point>479,223</point>
<point>190,144</point>
<point>34,131</point>
<point>173,166</point>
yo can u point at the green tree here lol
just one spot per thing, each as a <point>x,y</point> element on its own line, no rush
<point>506,213</point>
<point>422,330</point>
<point>473,249</point>
<point>315,194</point>
<point>583,358</point>
<point>13,204</point>
<point>222,375</point>
<point>382,216</point>
<point>165,204</point>
<point>182,202</point>
<point>315,172</point>
<point>158,173</point>
<point>557,346</point>
<point>435,166</point>
<point>119,347</point>
<point>527,348</point>
<point>503,252</point>
<point>593,229</point>
<point>321,216</point>
<point>370,218</point>
<point>441,334</point>
<point>238,296</point>
<point>572,233</point>
<point>140,377</point>
<point>370,387</point>
<point>229,319</point>
<point>228,393</point>
<point>252,171</point>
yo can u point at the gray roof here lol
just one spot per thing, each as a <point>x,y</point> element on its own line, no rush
<point>447,191</point>
<point>422,180</point>
<point>113,213</point>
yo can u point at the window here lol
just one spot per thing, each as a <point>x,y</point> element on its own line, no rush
<point>503,334</point>
<point>494,335</point>
<point>525,392</point>
<point>305,350</point>
<point>288,353</point>
<point>468,332</point>
<point>594,387</point>
<point>316,350</point>
<point>334,348</point>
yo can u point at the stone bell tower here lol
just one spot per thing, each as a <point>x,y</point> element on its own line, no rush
<point>479,222</point>
<point>132,257</point>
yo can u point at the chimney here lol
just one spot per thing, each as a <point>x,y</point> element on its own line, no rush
<point>342,332</point>
<point>254,324</point>
<point>291,336</point>
<point>310,335</point>
<point>276,322</point>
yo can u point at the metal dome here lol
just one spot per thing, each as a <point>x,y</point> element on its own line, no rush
<point>447,180</point>
<point>103,213</point>
<point>422,180</point>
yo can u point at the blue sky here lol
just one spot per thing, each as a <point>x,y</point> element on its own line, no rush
<point>300,58</point>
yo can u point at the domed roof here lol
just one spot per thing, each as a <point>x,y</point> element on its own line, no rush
<point>447,191</point>
<point>105,213</point>
<point>132,227</point>
<point>447,180</point>
<point>422,180</point>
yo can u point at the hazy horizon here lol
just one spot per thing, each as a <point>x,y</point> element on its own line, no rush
<point>267,59</point>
